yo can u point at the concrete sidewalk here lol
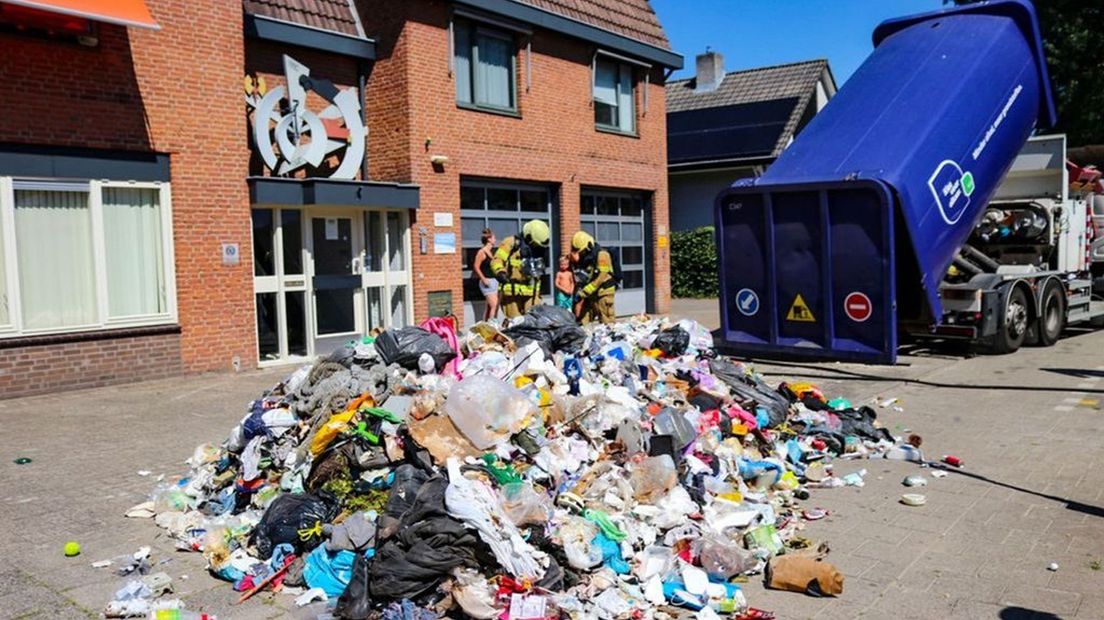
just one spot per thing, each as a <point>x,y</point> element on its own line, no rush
<point>1028,427</point>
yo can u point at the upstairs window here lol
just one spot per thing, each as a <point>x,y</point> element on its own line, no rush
<point>484,61</point>
<point>614,104</point>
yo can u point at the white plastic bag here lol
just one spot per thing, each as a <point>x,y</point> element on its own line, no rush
<point>488,410</point>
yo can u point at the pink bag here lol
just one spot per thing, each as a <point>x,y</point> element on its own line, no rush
<point>444,328</point>
<point>744,417</point>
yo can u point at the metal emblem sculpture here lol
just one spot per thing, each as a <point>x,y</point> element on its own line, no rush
<point>288,136</point>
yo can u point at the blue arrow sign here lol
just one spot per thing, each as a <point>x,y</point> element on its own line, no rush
<point>747,302</point>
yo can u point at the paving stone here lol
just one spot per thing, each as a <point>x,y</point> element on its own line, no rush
<point>1047,600</point>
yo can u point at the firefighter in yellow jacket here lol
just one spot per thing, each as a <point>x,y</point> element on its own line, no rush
<point>597,277</point>
<point>518,265</point>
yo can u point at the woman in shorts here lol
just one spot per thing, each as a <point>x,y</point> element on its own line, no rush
<point>488,285</point>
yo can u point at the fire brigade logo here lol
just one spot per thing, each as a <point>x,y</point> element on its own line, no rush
<point>288,136</point>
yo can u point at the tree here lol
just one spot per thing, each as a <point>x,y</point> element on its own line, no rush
<point>1073,36</point>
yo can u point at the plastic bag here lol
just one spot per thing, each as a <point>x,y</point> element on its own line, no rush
<point>723,558</point>
<point>294,519</point>
<point>488,410</point>
<point>577,535</point>
<point>325,435</point>
<point>524,505</point>
<point>330,571</point>
<point>673,341</point>
<point>653,476</point>
<point>404,346</point>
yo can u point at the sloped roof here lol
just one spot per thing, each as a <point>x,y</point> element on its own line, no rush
<point>634,19</point>
<point>756,112</point>
<point>332,15</point>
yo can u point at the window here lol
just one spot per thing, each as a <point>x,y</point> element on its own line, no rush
<point>484,61</point>
<point>614,104</point>
<point>84,255</point>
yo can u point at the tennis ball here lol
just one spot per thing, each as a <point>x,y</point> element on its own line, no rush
<point>72,549</point>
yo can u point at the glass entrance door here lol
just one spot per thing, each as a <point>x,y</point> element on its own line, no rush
<point>335,278</point>
<point>326,276</point>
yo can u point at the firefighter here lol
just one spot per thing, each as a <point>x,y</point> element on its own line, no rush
<point>596,276</point>
<point>518,265</point>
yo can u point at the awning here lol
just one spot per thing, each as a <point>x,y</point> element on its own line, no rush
<point>123,12</point>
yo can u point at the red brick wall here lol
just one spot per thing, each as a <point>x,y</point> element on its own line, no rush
<point>177,90</point>
<point>41,369</point>
<point>190,75</point>
<point>553,142</point>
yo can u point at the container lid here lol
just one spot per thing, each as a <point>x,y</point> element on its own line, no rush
<point>1020,11</point>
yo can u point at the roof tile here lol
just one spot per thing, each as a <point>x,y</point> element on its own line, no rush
<point>333,15</point>
<point>634,19</point>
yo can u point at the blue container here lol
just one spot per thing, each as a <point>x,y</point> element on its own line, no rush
<point>877,194</point>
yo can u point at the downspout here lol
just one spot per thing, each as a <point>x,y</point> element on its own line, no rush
<point>363,71</point>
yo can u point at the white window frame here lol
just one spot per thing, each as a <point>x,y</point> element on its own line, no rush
<point>633,66</point>
<point>482,27</point>
<point>15,328</point>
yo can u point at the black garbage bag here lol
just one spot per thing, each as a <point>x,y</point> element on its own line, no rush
<point>550,317</point>
<point>552,327</point>
<point>746,388</point>
<point>672,341</point>
<point>404,346</point>
<point>569,339</point>
<point>522,335</point>
<point>427,545</point>
<point>290,513</point>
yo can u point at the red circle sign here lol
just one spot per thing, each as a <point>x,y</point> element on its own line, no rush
<point>858,307</point>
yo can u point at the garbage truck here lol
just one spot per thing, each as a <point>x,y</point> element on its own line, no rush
<point>891,212</point>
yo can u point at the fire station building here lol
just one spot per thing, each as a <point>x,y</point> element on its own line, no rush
<point>215,185</point>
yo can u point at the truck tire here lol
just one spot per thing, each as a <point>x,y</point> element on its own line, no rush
<point>1013,326</point>
<point>1052,316</point>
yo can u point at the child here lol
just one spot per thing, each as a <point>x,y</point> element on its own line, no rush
<point>565,284</point>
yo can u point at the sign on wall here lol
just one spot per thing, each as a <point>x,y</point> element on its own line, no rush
<point>289,136</point>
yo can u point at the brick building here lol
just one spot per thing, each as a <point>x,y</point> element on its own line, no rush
<point>207,185</point>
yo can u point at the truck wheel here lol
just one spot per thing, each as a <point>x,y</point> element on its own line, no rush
<point>1013,328</point>
<point>1052,316</point>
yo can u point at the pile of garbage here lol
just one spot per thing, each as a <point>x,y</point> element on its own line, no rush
<point>544,470</point>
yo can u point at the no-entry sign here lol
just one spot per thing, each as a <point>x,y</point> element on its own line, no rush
<point>858,307</point>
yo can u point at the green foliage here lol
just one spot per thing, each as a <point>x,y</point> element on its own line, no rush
<point>1073,36</point>
<point>344,489</point>
<point>694,263</point>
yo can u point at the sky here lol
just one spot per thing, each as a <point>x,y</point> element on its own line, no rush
<point>757,33</point>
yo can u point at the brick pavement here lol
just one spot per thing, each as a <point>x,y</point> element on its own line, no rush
<point>1030,494</point>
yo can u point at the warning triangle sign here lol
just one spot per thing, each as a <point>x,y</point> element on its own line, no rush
<point>800,312</point>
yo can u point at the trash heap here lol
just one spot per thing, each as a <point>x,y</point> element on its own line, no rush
<point>538,471</point>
